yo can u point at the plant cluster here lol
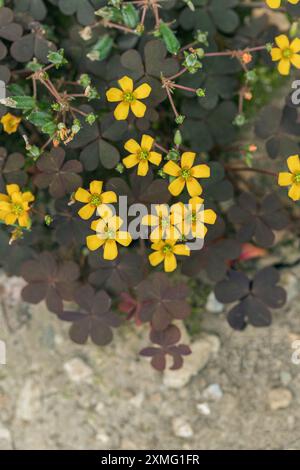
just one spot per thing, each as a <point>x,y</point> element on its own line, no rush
<point>158,101</point>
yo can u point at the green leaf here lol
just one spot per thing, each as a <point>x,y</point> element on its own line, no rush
<point>57,58</point>
<point>24,102</point>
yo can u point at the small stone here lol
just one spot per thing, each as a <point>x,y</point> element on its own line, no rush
<point>182,428</point>
<point>213,305</point>
<point>99,408</point>
<point>202,351</point>
<point>28,403</point>
<point>137,400</point>
<point>77,370</point>
<point>213,392</point>
<point>203,408</point>
<point>102,437</point>
<point>285,377</point>
<point>279,398</point>
<point>291,284</point>
<point>5,439</point>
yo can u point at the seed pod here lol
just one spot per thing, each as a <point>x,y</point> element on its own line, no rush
<point>169,38</point>
<point>130,16</point>
<point>101,49</point>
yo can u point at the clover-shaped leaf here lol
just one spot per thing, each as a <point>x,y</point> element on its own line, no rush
<point>69,228</point>
<point>253,297</point>
<point>162,302</point>
<point>59,176</point>
<point>32,45</point>
<point>168,345</point>
<point>258,220</point>
<point>47,280</point>
<point>35,8</point>
<point>11,169</point>
<point>94,318</point>
<point>119,275</point>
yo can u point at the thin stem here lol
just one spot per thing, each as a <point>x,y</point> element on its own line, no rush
<point>181,72</point>
<point>160,147</point>
<point>253,170</point>
<point>172,102</point>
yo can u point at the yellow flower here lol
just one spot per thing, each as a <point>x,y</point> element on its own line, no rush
<point>277,3</point>
<point>186,175</point>
<point>165,251</point>
<point>14,206</point>
<point>93,199</point>
<point>163,223</point>
<point>107,234</point>
<point>10,123</point>
<point>192,217</point>
<point>129,98</point>
<point>141,155</point>
<point>292,179</point>
<point>286,53</point>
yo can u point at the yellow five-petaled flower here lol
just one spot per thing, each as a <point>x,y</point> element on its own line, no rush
<point>93,199</point>
<point>277,3</point>
<point>163,223</point>
<point>165,251</point>
<point>186,175</point>
<point>10,123</point>
<point>292,179</point>
<point>129,98</point>
<point>14,206</point>
<point>108,234</point>
<point>286,53</point>
<point>192,217</point>
<point>141,155</point>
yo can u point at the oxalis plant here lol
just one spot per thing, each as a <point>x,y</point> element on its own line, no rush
<point>134,172</point>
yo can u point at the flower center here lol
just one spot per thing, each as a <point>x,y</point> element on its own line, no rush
<point>95,200</point>
<point>185,173</point>
<point>165,222</point>
<point>297,178</point>
<point>287,53</point>
<point>110,233</point>
<point>128,97</point>
<point>17,209</point>
<point>144,154</point>
<point>167,249</point>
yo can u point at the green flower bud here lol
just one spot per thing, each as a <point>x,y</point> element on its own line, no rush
<point>178,138</point>
<point>48,220</point>
<point>179,119</point>
<point>239,120</point>
<point>200,92</point>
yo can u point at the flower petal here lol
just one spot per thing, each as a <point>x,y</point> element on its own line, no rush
<point>130,161</point>
<point>24,220</point>
<point>151,220</point>
<point>126,83</point>
<point>96,187</point>
<point>294,192</point>
<point>282,41</point>
<point>138,108</point>
<point>172,169</point>
<point>4,197</point>
<point>187,159</point>
<point>147,142</point>
<point>124,238</point>
<point>105,212</point>
<point>295,59</point>
<point>28,197</point>
<point>293,163</point>
<point>132,146</point>
<point>285,179</point>
<point>200,171</point>
<point>114,94</point>
<point>10,219</point>
<point>82,195</point>
<point>156,258</point>
<point>170,263</point>
<point>276,54</point>
<point>115,222</point>
<point>155,158</point>
<point>295,44</point>
<point>110,250</point>
<point>143,91</point>
<point>177,186</point>
<point>284,66</point>
<point>274,3</point>
<point>122,110</point>
<point>94,242</point>
<point>109,197</point>
<point>181,250</point>
<point>193,186</point>
<point>209,216</point>
<point>12,188</point>
<point>143,168</point>
<point>86,211</point>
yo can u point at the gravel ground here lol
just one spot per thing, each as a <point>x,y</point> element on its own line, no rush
<point>237,391</point>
